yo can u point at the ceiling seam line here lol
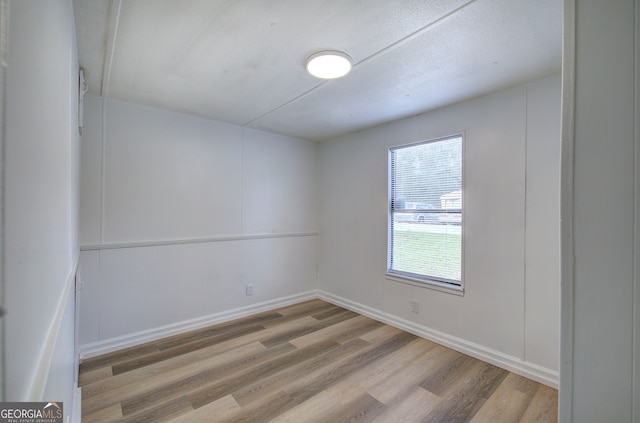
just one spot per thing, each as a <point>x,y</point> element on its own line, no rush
<point>286,103</point>
<point>373,56</point>
<point>202,28</point>
<point>413,35</point>
<point>108,64</point>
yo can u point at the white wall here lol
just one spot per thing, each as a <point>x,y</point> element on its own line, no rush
<point>601,294</point>
<point>41,188</point>
<point>509,313</point>
<point>542,227</point>
<point>179,213</point>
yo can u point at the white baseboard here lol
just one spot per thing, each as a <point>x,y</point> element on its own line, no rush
<point>43,367</point>
<point>113,344</point>
<point>76,414</point>
<point>527,369</point>
<point>513,364</point>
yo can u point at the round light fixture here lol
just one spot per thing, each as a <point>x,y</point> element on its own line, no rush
<point>329,64</point>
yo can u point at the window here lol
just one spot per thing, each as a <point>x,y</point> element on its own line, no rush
<point>425,212</point>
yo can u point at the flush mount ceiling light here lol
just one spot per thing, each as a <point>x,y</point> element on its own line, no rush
<point>329,64</point>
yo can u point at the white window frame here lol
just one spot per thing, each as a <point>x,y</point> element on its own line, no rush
<point>424,281</point>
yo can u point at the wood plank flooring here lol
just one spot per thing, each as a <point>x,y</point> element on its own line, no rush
<point>311,362</point>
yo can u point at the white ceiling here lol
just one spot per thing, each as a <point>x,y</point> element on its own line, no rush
<point>242,61</point>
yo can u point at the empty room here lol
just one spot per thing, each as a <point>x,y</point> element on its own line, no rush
<point>198,224</point>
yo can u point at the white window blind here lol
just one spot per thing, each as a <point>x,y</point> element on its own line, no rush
<point>425,211</point>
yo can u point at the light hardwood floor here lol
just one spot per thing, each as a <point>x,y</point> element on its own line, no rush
<point>312,362</point>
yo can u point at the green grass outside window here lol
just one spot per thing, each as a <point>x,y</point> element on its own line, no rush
<point>429,254</point>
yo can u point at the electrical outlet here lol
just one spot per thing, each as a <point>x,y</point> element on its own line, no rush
<point>415,306</point>
<point>248,289</point>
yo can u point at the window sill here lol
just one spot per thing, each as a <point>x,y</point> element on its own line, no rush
<point>421,283</point>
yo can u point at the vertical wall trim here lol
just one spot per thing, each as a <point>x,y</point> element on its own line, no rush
<point>635,412</point>
<point>4,57</point>
<point>242,190</point>
<point>98,284</point>
<point>103,168</point>
<point>524,237</point>
<point>565,400</point>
